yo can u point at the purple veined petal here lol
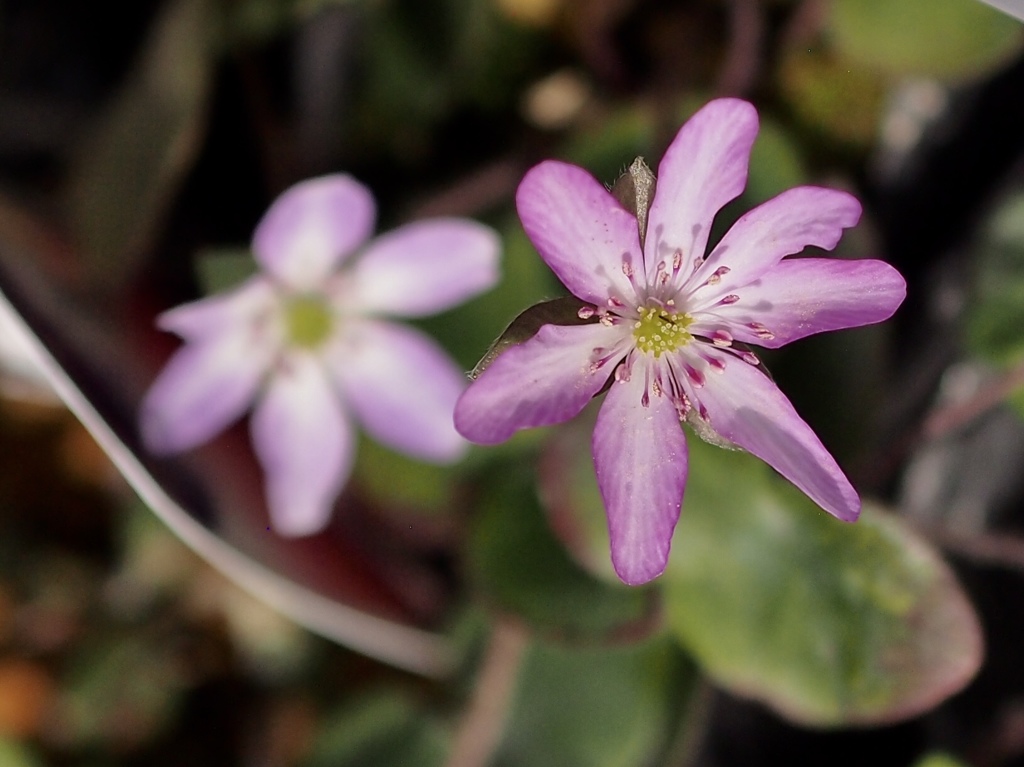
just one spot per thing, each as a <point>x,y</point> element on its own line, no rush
<point>640,458</point>
<point>747,408</point>
<point>546,380</point>
<point>789,222</point>
<point>304,443</point>
<point>312,227</point>
<point>803,296</point>
<point>580,231</point>
<point>402,386</point>
<point>704,168</point>
<point>205,386</point>
<point>425,267</point>
<point>246,304</point>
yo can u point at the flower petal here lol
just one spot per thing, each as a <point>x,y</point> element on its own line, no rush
<point>796,219</point>
<point>747,408</point>
<point>402,387</point>
<point>641,462</point>
<point>547,379</point>
<point>205,386</point>
<point>425,267</point>
<point>246,304</point>
<point>704,167</point>
<point>803,296</point>
<point>304,443</point>
<point>580,230</point>
<point>312,227</point>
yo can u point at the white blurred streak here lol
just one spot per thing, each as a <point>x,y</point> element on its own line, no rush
<point>402,646</point>
<point>1014,8</point>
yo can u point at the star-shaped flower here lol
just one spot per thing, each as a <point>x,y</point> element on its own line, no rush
<point>669,324</point>
<point>305,343</point>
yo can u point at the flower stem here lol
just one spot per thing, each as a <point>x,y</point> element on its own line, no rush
<point>479,732</point>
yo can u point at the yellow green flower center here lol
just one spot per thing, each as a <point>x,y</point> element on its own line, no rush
<point>659,330</point>
<point>308,320</point>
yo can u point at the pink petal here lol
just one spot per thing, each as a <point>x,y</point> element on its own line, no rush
<point>641,463</point>
<point>796,219</point>
<point>403,388</point>
<point>803,296</point>
<point>746,408</point>
<point>248,303</point>
<point>545,380</point>
<point>312,227</point>
<point>704,168</point>
<point>580,230</point>
<point>304,443</point>
<point>205,386</point>
<point>426,267</point>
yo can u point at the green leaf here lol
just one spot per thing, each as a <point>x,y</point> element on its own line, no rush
<point>15,754</point>
<point>220,269</point>
<point>520,567</point>
<point>127,175</point>
<point>423,487</point>
<point>939,759</point>
<point>382,729</point>
<point>557,311</point>
<point>595,707</point>
<point>830,97</point>
<point>828,623</point>
<point>995,319</point>
<point>951,39</point>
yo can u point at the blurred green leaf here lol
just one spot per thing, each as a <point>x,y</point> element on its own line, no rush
<point>595,707</point>
<point>220,269</point>
<point>521,568</point>
<point>826,622</point>
<point>950,39</point>
<point>380,729</point>
<point>122,690</point>
<point>15,754</point>
<point>832,98</point>
<point>126,176</point>
<point>995,319</point>
<point>607,146</point>
<point>939,759</point>
<point>775,164</point>
<point>424,487</point>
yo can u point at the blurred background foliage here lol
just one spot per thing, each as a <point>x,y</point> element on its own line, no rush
<point>140,143</point>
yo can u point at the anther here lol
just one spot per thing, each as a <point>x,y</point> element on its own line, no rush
<point>586,312</point>
<point>721,338</point>
<point>729,299</point>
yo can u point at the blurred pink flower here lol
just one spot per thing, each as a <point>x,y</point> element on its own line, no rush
<point>304,342</point>
<point>669,323</point>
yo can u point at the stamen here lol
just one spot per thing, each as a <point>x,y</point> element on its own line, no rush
<point>749,357</point>
<point>761,331</point>
<point>586,312</point>
<point>721,338</point>
<point>677,259</point>
<point>695,376</point>
<point>729,299</point>
<point>717,275</point>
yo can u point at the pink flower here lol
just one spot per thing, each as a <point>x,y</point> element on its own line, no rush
<point>304,342</point>
<point>668,324</point>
